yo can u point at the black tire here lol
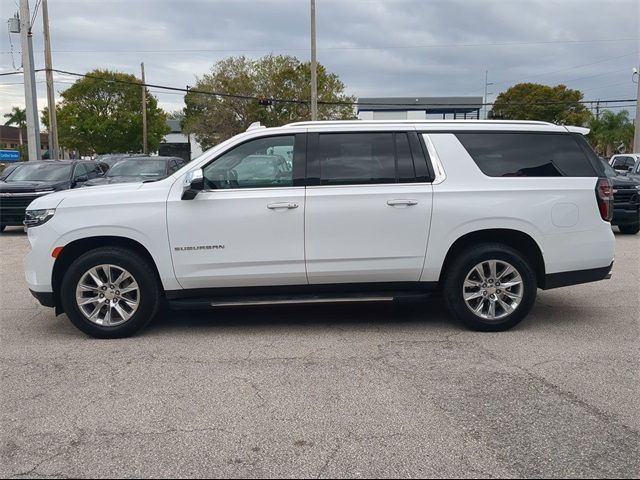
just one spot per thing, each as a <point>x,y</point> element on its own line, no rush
<point>630,229</point>
<point>143,273</point>
<point>2,227</point>
<point>459,269</point>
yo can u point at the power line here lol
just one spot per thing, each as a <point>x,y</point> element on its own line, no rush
<point>380,47</point>
<point>295,101</point>
<point>305,102</point>
<point>575,67</point>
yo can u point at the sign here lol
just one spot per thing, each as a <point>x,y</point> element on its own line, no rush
<point>9,156</point>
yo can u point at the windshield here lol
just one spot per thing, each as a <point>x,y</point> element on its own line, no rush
<point>41,173</point>
<point>135,168</point>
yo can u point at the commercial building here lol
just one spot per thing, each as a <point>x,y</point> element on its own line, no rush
<point>419,108</point>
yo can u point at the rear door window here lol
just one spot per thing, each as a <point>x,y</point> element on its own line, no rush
<point>365,158</point>
<point>507,154</point>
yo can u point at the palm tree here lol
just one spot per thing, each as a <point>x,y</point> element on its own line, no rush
<point>611,130</point>
<point>17,117</point>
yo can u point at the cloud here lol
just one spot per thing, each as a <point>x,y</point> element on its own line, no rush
<point>442,47</point>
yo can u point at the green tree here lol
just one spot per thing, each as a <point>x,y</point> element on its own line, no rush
<point>216,118</point>
<point>533,101</point>
<point>103,115</point>
<point>18,117</point>
<point>611,131</point>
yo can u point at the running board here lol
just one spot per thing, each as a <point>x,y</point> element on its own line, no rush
<point>262,300</point>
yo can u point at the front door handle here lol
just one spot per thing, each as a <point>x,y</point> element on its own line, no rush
<point>402,203</point>
<point>277,206</point>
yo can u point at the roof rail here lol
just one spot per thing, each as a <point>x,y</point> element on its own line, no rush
<point>412,122</point>
<point>255,126</point>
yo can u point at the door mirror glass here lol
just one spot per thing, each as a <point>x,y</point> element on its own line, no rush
<point>194,183</point>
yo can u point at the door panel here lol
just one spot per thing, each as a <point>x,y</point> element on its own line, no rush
<point>367,233</point>
<point>247,228</point>
<point>233,239</point>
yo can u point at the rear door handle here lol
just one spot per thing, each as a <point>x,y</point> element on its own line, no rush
<point>402,203</point>
<point>278,206</point>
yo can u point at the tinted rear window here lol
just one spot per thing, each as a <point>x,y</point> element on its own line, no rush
<point>358,158</point>
<point>505,154</point>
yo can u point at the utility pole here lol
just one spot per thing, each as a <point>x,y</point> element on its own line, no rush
<point>188,134</point>
<point>486,87</point>
<point>636,136</point>
<point>145,149</point>
<point>54,152</point>
<point>598,109</point>
<point>314,66</point>
<point>30,96</point>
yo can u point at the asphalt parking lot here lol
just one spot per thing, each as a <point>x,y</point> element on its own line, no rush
<point>380,390</point>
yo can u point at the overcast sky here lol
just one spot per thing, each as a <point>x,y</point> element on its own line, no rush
<point>377,47</point>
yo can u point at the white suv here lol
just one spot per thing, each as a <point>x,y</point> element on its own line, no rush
<point>484,212</point>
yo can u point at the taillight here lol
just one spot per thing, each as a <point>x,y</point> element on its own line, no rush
<point>604,195</point>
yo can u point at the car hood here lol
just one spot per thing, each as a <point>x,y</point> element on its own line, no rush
<point>28,187</point>
<point>120,179</point>
<point>86,196</point>
<point>623,181</point>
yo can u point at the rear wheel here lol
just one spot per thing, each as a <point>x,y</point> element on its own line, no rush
<point>490,287</point>
<point>110,292</point>
<point>630,229</point>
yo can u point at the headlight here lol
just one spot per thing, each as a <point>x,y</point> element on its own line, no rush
<point>34,218</point>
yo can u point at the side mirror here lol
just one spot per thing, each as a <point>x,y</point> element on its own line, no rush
<point>194,183</point>
<point>80,180</point>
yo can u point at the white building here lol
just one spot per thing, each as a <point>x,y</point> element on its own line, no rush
<point>177,144</point>
<point>419,108</point>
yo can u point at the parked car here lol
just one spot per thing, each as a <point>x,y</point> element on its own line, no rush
<point>625,163</point>
<point>112,158</point>
<point>626,200</point>
<point>8,169</point>
<point>137,169</point>
<point>485,212</point>
<point>35,179</point>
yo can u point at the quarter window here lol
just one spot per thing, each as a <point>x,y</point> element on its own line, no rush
<point>506,154</point>
<point>261,163</point>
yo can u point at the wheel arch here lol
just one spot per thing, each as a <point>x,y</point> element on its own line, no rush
<point>516,239</point>
<point>73,250</point>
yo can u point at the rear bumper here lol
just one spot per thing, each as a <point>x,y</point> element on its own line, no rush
<point>46,299</point>
<point>576,277</point>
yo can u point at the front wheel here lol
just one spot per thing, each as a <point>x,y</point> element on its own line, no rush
<point>110,292</point>
<point>490,287</point>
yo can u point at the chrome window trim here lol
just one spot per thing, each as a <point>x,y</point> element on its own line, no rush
<point>438,168</point>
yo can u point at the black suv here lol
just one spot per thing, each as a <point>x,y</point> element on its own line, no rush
<point>626,201</point>
<point>140,169</point>
<point>34,179</point>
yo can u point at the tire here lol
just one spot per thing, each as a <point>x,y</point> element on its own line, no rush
<point>504,318</point>
<point>2,227</point>
<point>630,229</point>
<point>123,320</point>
